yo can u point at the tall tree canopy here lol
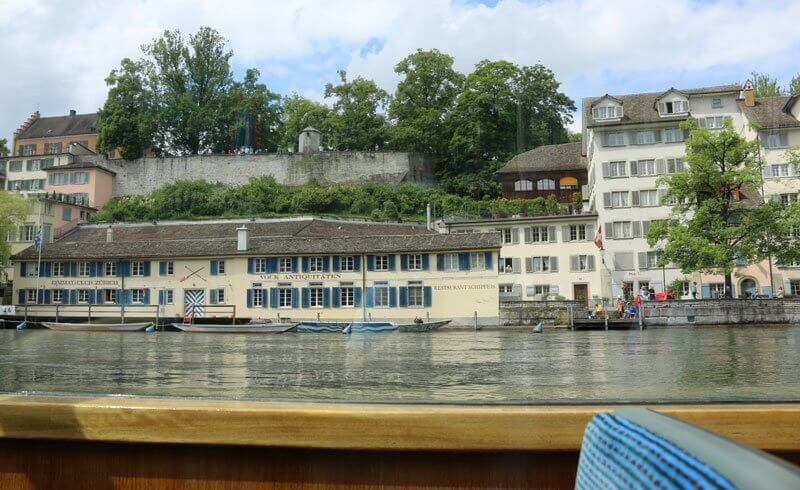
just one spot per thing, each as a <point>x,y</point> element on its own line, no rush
<point>254,108</point>
<point>4,151</point>
<point>13,210</point>
<point>356,121</point>
<point>713,226</point>
<point>764,85</point>
<point>424,96</point>
<point>300,113</point>
<point>794,85</point>
<point>126,120</point>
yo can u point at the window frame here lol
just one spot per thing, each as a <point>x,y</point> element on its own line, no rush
<point>477,261</point>
<point>316,264</point>
<point>451,262</point>
<point>347,292</point>
<point>137,268</point>
<point>546,184</point>
<point>380,290</point>
<point>137,292</point>
<point>28,296</point>
<point>284,296</point>
<point>381,263</point>
<point>110,296</point>
<point>523,185</point>
<point>416,291</point>
<point>109,269</point>
<point>220,267</point>
<point>58,269</point>
<point>284,265</point>
<point>347,263</point>
<point>83,296</point>
<point>316,296</point>
<point>415,262</point>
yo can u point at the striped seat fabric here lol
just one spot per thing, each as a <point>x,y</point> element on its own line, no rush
<point>617,453</point>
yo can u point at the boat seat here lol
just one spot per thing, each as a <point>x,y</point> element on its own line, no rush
<point>640,448</point>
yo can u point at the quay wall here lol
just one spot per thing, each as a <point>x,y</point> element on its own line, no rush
<point>531,312</point>
<point>145,175</point>
<point>722,311</point>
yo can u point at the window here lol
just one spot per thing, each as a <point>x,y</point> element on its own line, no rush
<point>507,265</point>
<point>347,295</point>
<point>58,295</point>
<point>415,295</point>
<point>381,262</point>
<point>58,178</point>
<point>170,268</point>
<point>137,296</point>
<point>648,198</point>
<point>540,264</point>
<point>616,169</point>
<point>316,295</point>
<point>168,297</point>
<point>506,288</point>
<point>66,213</point>
<point>714,122</point>
<point>58,269</point>
<point>776,140</point>
<point>137,268</point>
<point>258,298</point>
<point>794,287</point>
<point>32,165</point>
<point>541,289</point>
<point>580,263</point>
<point>30,296</point>
<point>673,107</point>
<point>645,137</point>
<point>260,266</point>
<point>346,264</point>
<point>110,295</point>
<point>673,135</point>
<point>381,295</point>
<point>28,233</point>
<point>220,267</point>
<point>568,183</point>
<point>415,262</point>
<point>315,264</point>
<point>675,165</point>
<point>622,229</point>
<point>284,296</point>
<point>577,232</point>
<point>615,139</point>
<point>32,270</point>
<point>508,236</point>
<point>110,269</point>
<point>546,184</point>
<point>477,262</point>
<point>27,150</point>
<point>787,199</point>
<point>607,112</point>
<point>52,148</point>
<point>651,260</point>
<point>284,265</point>
<point>45,163</point>
<point>780,170</point>
<point>451,262</point>
<point>84,270</point>
<point>538,234</point>
<point>716,103</point>
<point>646,167</point>
<point>619,199</point>
<point>79,178</point>
<point>717,289</point>
<point>15,166</point>
<point>523,185</point>
<point>83,296</point>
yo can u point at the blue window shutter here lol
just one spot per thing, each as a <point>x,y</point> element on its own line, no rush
<point>463,261</point>
<point>146,268</point>
<point>427,294</point>
<point>127,296</point>
<point>273,297</point>
<point>357,263</point>
<point>23,269</point>
<point>336,297</point>
<point>251,265</point>
<point>249,298</point>
<point>393,297</point>
<point>272,265</point>
<point>306,299</point>
<point>100,296</point>
<point>147,296</point>
<point>214,267</point>
<point>336,267</point>
<point>487,257</point>
<point>326,297</point>
<point>162,268</point>
<point>45,296</point>
<point>67,269</point>
<point>21,296</point>
<point>120,270</point>
<point>213,297</point>
<point>705,291</point>
<point>370,297</point>
<point>294,297</point>
<point>294,264</point>
<point>326,262</point>
<point>425,261</point>
<point>439,262</point>
<point>404,262</point>
<point>357,297</point>
<point>370,262</point>
<point>92,297</point>
<point>391,262</point>
<point>304,263</point>
<point>96,269</point>
<point>161,296</point>
<point>403,296</point>
<point>73,297</point>
<point>74,269</point>
<point>45,270</point>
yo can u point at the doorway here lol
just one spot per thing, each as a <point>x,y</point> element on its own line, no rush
<point>580,292</point>
<point>748,288</point>
<point>194,302</point>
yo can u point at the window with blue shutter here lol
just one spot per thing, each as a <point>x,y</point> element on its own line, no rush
<point>357,297</point>
<point>370,297</point>
<point>403,296</point>
<point>100,296</point>
<point>214,267</point>
<point>404,262</point>
<point>336,298</point>
<point>370,262</point>
<point>463,261</point>
<point>487,256</point>
<point>249,298</point>
<point>161,296</point>
<point>73,296</point>
<point>326,262</point>
<point>273,297</point>
<point>326,297</point>
<point>305,264</point>
<point>23,269</point>
<point>162,268</point>
<point>428,295</point>
<point>439,262</point>
<point>425,262</point>
<point>92,296</point>
<point>294,264</point>
<point>96,269</point>
<point>391,262</point>
<point>146,296</point>
<point>126,296</point>
<point>21,298</point>
<point>393,297</point>
<point>336,263</point>
<point>45,296</point>
<point>294,297</point>
<point>306,297</point>
<point>213,297</point>
<point>45,272</point>
<point>251,265</point>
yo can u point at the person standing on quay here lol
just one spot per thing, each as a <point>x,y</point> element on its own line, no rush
<point>693,290</point>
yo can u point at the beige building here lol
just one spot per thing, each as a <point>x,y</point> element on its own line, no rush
<point>298,268</point>
<point>53,135</point>
<point>543,258</point>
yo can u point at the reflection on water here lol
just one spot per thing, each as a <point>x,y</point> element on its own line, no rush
<point>668,364</point>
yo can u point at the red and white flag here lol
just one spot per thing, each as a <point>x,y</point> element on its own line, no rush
<point>598,237</point>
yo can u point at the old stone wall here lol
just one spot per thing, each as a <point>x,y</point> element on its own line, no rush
<point>531,312</point>
<point>144,175</point>
<point>722,312</point>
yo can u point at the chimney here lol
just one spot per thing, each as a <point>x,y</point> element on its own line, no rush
<point>748,95</point>
<point>109,234</point>
<point>428,216</point>
<point>72,113</point>
<point>241,234</point>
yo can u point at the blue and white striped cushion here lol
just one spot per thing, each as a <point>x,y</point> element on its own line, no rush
<point>617,453</point>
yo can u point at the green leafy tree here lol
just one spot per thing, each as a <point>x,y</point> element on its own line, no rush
<point>356,121</point>
<point>424,97</point>
<point>575,137</point>
<point>764,85</point>
<point>299,113</point>
<point>712,227</point>
<point>542,111</point>
<point>13,210</point>
<point>794,85</point>
<point>252,106</point>
<point>4,151</point>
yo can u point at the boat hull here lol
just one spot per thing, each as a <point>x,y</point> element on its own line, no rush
<point>320,327</point>
<point>97,327</point>
<point>371,327</point>
<point>422,327</point>
<point>265,328</point>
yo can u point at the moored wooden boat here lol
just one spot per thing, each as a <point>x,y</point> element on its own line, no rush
<point>370,327</point>
<point>422,327</point>
<point>320,327</point>
<point>246,328</point>
<point>97,327</point>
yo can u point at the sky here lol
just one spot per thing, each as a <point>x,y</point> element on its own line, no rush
<point>56,54</point>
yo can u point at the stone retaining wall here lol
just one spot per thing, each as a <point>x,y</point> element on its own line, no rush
<point>530,312</point>
<point>722,312</point>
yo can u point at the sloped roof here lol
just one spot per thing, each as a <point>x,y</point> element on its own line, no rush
<point>55,126</point>
<point>295,236</point>
<point>78,165</point>
<point>547,158</point>
<point>771,112</point>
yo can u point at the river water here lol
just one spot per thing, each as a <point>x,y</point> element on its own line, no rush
<point>679,364</point>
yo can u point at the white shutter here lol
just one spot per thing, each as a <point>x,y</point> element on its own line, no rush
<point>565,233</point>
<point>516,264</point>
<point>634,198</point>
<point>551,234</point>
<point>636,229</point>
<point>528,234</point>
<point>618,111</point>
<point>514,235</point>
<point>660,166</point>
<point>634,168</point>
<point>607,200</point>
<point>594,112</point>
<point>643,260</point>
<point>608,231</point>
<point>701,122</point>
<point>662,108</point>
<point>605,169</point>
<point>553,264</point>
<point>590,262</point>
<point>529,264</point>
<point>573,262</point>
<point>589,231</point>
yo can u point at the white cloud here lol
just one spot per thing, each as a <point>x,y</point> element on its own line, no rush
<point>56,54</point>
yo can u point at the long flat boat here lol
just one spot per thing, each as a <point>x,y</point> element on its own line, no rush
<point>246,328</point>
<point>97,327</point>
<point>422,327</point>
<point>321,327</point>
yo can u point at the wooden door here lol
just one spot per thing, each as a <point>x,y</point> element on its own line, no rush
<point>580,292</point>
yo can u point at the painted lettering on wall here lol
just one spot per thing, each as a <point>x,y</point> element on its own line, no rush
<point>287,277</point>
<point>86,282</point>
<point>462,287</point>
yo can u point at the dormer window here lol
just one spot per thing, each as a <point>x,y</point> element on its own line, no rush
<point>673,107</point>
<point>607,112</point>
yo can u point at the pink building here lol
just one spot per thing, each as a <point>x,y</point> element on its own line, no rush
<point>88,183</point>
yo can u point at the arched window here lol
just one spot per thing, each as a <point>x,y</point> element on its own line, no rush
<point>568,183</point>
<point>546,185</point>
<point>523,185</point>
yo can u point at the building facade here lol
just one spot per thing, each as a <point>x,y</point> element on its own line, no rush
<point>54,135</point>
<point>298,268</point>
<point>543,258</point>
<point>549,170</point>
